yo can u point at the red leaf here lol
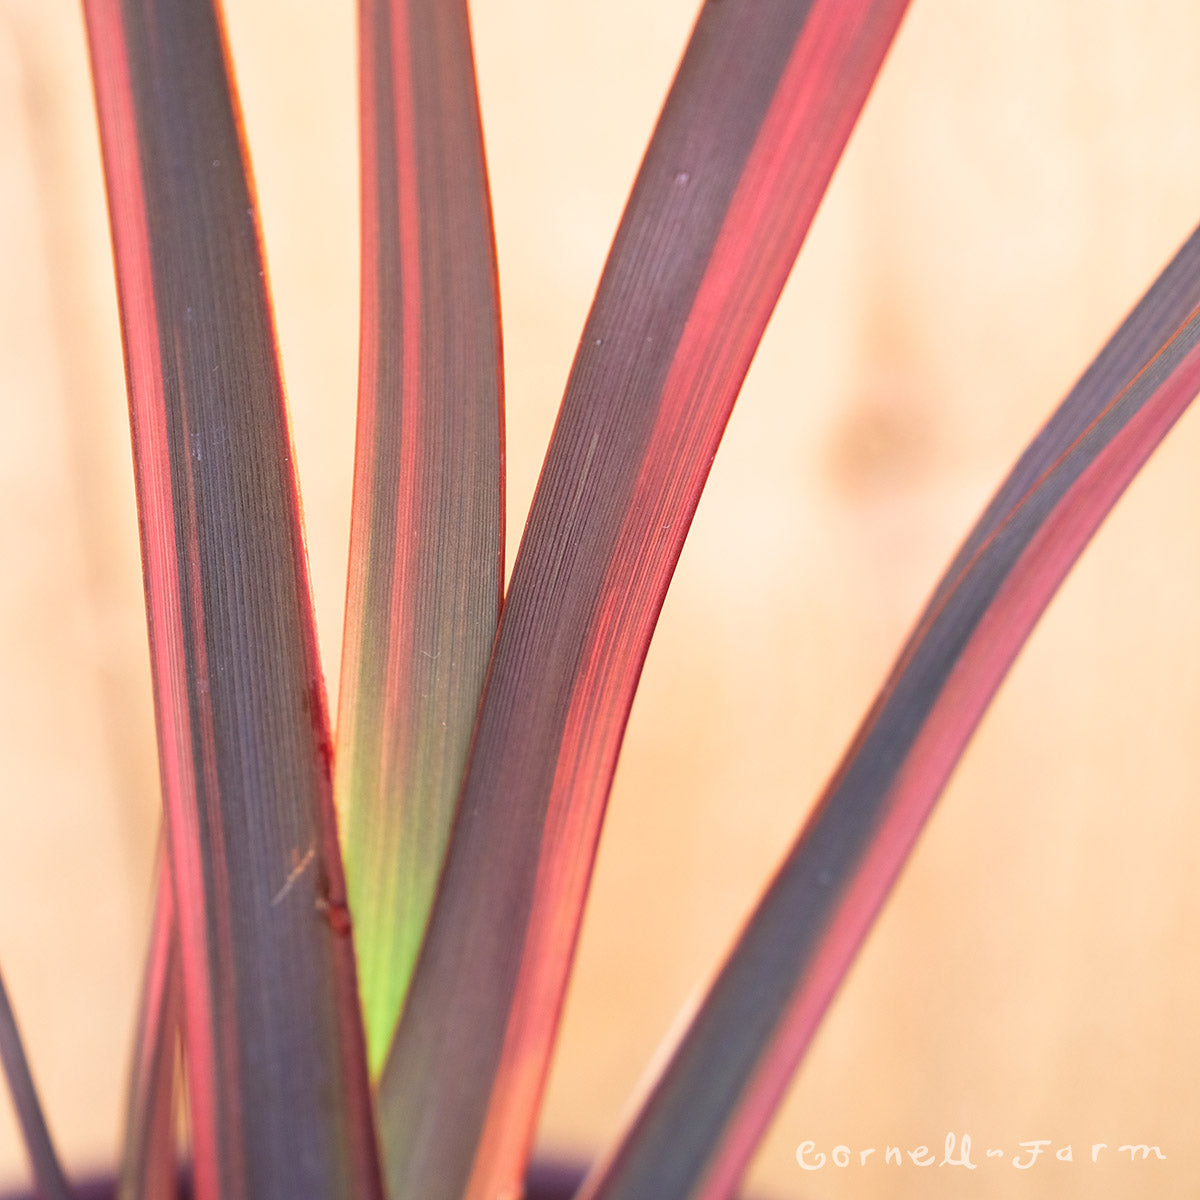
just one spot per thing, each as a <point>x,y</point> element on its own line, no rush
<point>149,1166</point>
<point>426,548</point>
<point>763,103</point>
<point>47,1169</point>
<point>280,1104</point>
<point>711,1103</point>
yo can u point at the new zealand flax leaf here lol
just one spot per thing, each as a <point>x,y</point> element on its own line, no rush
<point>276,1065</point>
<point>762,105</point>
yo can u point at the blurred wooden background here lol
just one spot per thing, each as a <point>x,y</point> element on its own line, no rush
<point>1021,173</point>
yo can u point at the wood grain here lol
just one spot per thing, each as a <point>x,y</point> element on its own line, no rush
<point>1020,175</point>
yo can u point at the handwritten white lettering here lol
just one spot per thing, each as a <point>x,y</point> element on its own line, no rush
<point>958,1151</point>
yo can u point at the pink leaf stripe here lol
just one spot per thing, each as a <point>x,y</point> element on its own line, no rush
<point>763,103</point>
<point>426,543</point>
<point>279,1097</point>
<point>715,1096</point>
<point>149,1166</point>
<point>1152,323</point>
<point>43,1158</point>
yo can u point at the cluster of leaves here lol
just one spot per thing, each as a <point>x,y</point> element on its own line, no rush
<point>363,946</point>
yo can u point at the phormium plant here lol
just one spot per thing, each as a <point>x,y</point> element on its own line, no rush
<point>362,941</point>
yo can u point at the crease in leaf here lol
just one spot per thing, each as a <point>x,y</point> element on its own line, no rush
<point>711,1103</point>
<point>762,105</point>
<point>427,537</point>
<point>279,1096</point>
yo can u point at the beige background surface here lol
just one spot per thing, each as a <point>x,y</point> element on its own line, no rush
<point>1021,173</point>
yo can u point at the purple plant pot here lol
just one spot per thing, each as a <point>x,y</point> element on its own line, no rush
<point>546,1181</point>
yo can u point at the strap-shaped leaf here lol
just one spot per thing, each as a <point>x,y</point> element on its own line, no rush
<point>279,1098</point>
<point>710,1105</point>
<point>426,547</point>
<point>149,1165</point>
<point>43,1158</point>
<point>1154,321</point>
<point>764,100</point>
